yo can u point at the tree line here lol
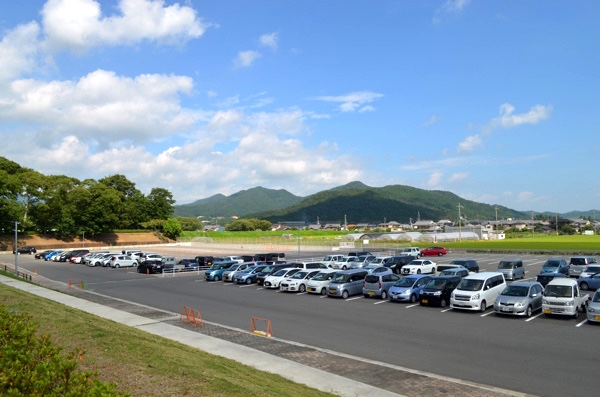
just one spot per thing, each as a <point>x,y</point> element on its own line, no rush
<point>66,206</point>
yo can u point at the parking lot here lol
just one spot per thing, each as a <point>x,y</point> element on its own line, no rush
<point>539,355</point>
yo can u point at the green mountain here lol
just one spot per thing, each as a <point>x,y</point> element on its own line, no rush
<point>238,204</point>
<point>361,203</point>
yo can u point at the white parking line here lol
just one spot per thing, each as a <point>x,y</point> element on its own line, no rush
<point>376,303</point>
<point>487,314</point>
<point>446,310</point>
<point>246,286</point>
<point>258,289</point>
<point>352,299</point>
<point>534,317</point>
<point>581,323</point>
<point>226,284</point>
<point>302,293</point>
<point>416,304</point>
<point>323,296</point>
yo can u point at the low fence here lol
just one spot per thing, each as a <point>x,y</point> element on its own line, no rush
<point>23,275</point>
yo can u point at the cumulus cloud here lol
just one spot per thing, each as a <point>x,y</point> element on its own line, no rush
<point>458,176</point>
<point>469,144</point>
<point>353,101</point>
<point>449,7</point>
<point>508,119</point>
<point>103,106</point>
<point>80,24</point>
<point>246,58</point>
<point>435,179</point>
<point>270,40</point>
<point>18,51</point>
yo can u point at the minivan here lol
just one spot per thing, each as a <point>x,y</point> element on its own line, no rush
<point>346,283</point>
<point>478,291</point>
<point>579,264</point>
<point>512,269</point>
<point>396,262</point>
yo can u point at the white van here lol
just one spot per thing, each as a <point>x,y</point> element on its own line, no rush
<point>478,291</point>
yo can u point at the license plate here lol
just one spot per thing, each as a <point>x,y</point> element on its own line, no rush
<point>504,309</point>
<point>424,301</point>
<point>332,291</point>
<point>311,289</point>
<point>371,293</point>
<point>547,311</point>
<point>258,282</point>
<point>597,318</point>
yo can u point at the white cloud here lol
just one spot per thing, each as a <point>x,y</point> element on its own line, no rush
<point>469,144</point>
<point>508,119</point>
<point>458,176</point>
<point>449,7</point>
<point>246,58</point>
<point>435,179</point>
<point>102,106</point>
<point>79,24</point>
<point>353,101</point>
<point>270,40</point>
<point>432,120</point>
<point>524,196</point>
<point>18,51</point>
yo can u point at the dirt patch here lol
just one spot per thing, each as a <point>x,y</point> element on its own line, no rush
<point>101,240</point>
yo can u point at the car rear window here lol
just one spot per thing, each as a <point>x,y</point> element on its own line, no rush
<point>372,279</point>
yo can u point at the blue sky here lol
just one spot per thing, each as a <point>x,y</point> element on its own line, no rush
<point>496,101</point>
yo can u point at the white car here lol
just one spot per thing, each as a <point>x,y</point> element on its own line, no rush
<point>272,281</point>
<point>419,266</point>
<point>330,259</point>
<point>237,259</point>
<point>318,284</point>
<point>297,283</point>
<point>590,271</point>
<point>414,251</point>
<point>118,261</point>
<point>345,262</point>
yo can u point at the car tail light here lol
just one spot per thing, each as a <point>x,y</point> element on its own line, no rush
<point>379,284</point>
<point>114,258</point>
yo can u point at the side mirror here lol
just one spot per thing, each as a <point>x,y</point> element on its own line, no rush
<point>533,295</point>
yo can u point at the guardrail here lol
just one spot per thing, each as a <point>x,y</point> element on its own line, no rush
<point>172,272</point>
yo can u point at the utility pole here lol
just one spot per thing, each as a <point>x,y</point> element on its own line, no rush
<point>16,251</point>
<point>497,236</point>
<point>532,226</point>
<point>556,223</point>
<point>459,223</point>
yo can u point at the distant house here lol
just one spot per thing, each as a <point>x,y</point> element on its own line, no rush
<point>423,225</point>
<point>331,226</point>
<point>315,226</point>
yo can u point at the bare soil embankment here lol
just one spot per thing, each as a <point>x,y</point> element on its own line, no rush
<point>41,242</point>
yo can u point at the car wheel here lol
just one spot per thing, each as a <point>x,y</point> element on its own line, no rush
<point>383,295</point>
<point>440,254</point>
<point>344,267</point>
<point>419,271</point>
<point>217,278</point>
<point>366,295</point>
<point>443,303</point>
<point>117,266</point>
<point>248,281</point>
<point>483,306</point>
<point>413,298</point>
<point>584,286</point>
<point>323,291</point>
<point>576,315</point>
<point>302,288</point>
<point>345,295</point>
<point>529,311</point>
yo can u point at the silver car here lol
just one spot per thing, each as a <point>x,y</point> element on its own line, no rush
<point>579,264</point>
<point>511,269</point>
<point>593,310</point>
<point>228,274</point>
<point>346,283</point>
<point>378,285</point>
<point>520,299</point>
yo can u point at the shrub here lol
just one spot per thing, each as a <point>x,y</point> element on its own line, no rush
<point>31,365</point>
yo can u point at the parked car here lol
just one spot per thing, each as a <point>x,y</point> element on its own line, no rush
<point>545,278</point>
<point>118,261</point>
<point>478,291</point>
<point>30,250</point>
<point>65,256</point>
<point>587,283</point>
<point>563,298</point>
<point>397,262</point>
<point>512,269</point>
<point>408,288</point>
<point>272,281</point>
<point>270,269</point>
<point>215,272</point>
<point>151,266</point>
<point>235,258</point>
<point>456,271</point>
<point>419,266</point>
<point>346,283</point>
<point>590,271</point>
<point>378,285</point>
<point>363,260</point>
<point>556,265</point>
<point>345,262</point>
<point>579,264</point>
<point>249,275</point>
<point>51,255</point>
<point>470,264</point>
<point>437,291</point>
<point>307,265</point>
<point>375,269</point>
<point>593,310</point>
<point>320,282</point>
<point>229,273</point>
<point>329,260</point>
<point>433,251</point>
<point>297,282</point>
<point>522,298</point>
<point>413,251</point>
<point>42,255</point>
<point>205,260</point>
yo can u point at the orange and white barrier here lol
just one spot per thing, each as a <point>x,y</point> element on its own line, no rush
<point>268,328</point>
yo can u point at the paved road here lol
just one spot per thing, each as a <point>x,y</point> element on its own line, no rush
<point>550,357</point>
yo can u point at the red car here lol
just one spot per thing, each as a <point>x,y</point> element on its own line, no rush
<point>433,251</point>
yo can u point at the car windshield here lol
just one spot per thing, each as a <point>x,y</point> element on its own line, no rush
<point>448,272</point>
<point>551,265</point>
<point>416,263</point>
<point>323,276</point>
<point>299,275</point>
<point>593,269</point>
<point>505,265</point>
<point>436,284</point>
<point>405,282</point>
<point>280,272</point>
<point>459,262</point>
<point>248,269</point>
<point>268,269</point>
<point>561,291</point>
<point>329,258</point>
<point>596,297</point>
<point>515,290</point>
<point>234,267</point>
<point>578,261</point>
<point>470,285</point>
<point>340,278</point>
<point>258,269</point>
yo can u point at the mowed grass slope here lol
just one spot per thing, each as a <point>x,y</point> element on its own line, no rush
<point>143,364</point>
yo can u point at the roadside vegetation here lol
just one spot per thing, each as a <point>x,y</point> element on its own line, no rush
<point>139,363</point>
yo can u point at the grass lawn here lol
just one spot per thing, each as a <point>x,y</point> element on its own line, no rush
<point>143,364</point>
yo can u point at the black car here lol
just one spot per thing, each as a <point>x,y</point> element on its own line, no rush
<point>267,271</point>
<point>42,255</point>
<point>438,290</point>
<point>470,264</point>
<point>64,257</point>
<point>396,262</point>
<point>152,266</point>
<point>545,278</point>
<point>26,250</point>
<point>204,260</point>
